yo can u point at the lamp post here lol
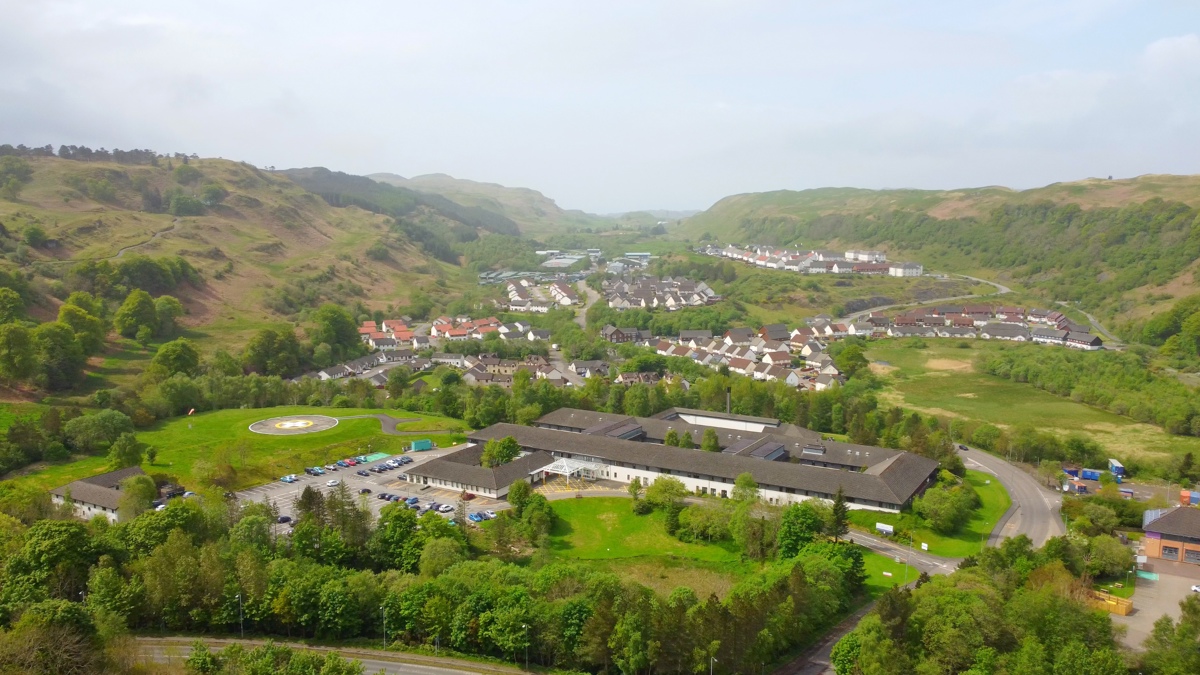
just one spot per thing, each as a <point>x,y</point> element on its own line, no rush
<point>711,661</point>
<point>437,644</point>
<point>241,617</point>
<point>383,609</point>
<point>526,627</point>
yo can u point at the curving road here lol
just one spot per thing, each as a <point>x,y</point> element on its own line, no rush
<point>592,297</point>
<point>1000,290</point>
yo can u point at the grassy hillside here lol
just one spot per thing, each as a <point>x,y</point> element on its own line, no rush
<point>268,249</point>
<point>1111,246</point>
<point>535,213</point>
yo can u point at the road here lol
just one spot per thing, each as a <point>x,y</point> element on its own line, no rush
<point>1000,290</point>
<point>592,297</point>
<point>1113,339</point>
<point>1034,513</point>
<point>174,651</point>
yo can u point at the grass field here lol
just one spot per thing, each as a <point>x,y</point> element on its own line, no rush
<point>995,501</point>
<point>941,380</point>
<point>605,533</point>
<point>186,444</point>
<point>876,564</point>
<point>1126,590</point>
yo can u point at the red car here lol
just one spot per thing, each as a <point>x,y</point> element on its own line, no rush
<point>351,462</point>
<point>467,496</point>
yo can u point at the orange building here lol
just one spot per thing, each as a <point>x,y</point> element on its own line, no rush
<point>1175,535</point>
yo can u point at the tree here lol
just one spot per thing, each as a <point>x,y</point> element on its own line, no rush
<point>397,381</point>
<point>89,330</point>
<point>213,194</point>
<point>12,305</point>
<point>1107,557</point>
<point>672,438</point>
<point>333,325</point>
<point>89,433</point>
<point>272,352</point>
<point>137,311</point>
<point>440,555</point>
<point>666,491</point>
<point>186,174</point>
<point>18,358</point>
<point>500,452</point>
<point>144,335</point>
<point>839,516</point>
<point>125,451</point>
<point>59,357</point>
<point>167,310</point>
<point>800,524</point>
<point>745,489</point>
<point>518,495</point>
<point>686,441</point>
<point>850,360</point>
<point>710,443</point>
<point>634,489</point>
<point>178,356</point>
<point>137,495</point>
<point>946,508</point>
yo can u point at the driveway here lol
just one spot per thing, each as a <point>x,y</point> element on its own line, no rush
<point>592,297</point>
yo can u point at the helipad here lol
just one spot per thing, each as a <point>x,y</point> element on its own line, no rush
<point>294,424</point>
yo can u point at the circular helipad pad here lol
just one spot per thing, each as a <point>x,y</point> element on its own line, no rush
<point>294,424</point>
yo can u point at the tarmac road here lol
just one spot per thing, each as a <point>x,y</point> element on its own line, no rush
<point>1035,509</point>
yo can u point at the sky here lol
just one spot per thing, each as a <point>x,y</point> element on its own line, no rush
<point>614,106</point>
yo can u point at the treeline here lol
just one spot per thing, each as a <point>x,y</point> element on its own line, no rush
<point>82,153</point>
<point>1010,610</point>
<point>1090,256</point>
<point>209,565</point>
<point>1119,382</point>
<point>696,269</point>
<point>718,318</point>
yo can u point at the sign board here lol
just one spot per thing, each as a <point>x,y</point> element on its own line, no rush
<point>1141,559</point>
<point>924,546</point>
<point>887,574</point>
<point>885,528</point>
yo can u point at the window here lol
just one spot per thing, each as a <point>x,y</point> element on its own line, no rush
<point>1170,552</point>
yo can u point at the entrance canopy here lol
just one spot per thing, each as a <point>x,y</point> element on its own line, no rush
<point>571,467</point>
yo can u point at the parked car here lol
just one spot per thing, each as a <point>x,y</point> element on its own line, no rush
<point>412,500</point>
<point>365,491</point>
<point>342,463</point>
<point>283,519</point>
<point>415,507</point>
<point>360,459</point>
<point>963,447</point>
<point>381,495</point>
<point>310,472</point>
<point>468,496</point>
<point>373,469</point>
<point>363,473</point>
<point>288,479</point>
<point>351,462</point>
<point>474,517</point>
<point>490,514</point>
<point>189,494</point>
<point>319,471</point>
<point>394,498</point>
<point>445,508</point>
<point>333,482</point>
<point>406,460</point>
<point>1196,588</point>
<point>331,467</point>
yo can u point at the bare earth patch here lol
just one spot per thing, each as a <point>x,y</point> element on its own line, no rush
<point>948,364</point>
<point>969,394</point>
<point>881,369</point>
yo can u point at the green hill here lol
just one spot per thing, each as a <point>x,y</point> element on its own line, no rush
<point>1108,245</point>
<point>535,213</point>
<point>267,246</point>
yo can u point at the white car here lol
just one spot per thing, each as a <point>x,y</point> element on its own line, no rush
<point>1196,588</point>
<point>490,514</point>
<point>333,482</point>
<point>446,508</point>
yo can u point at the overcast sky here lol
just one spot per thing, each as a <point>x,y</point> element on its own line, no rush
<point>612,106</point>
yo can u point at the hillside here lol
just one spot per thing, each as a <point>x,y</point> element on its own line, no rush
<point>266,247</point>
<point>1108,245</point>
<point>535,213</point>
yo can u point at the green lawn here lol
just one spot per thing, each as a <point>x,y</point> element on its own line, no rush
<point>1128,586</point>
<point>967,541</point>
<point>876,564</point>
<point>602,528</point>
<point>941,380</point>
<point>184,442</point>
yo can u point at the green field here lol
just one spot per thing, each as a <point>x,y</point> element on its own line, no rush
<point>995,501</point>
<point>941,380</point>
<point>876,564</point>
<point>606,528</point>
<point>185,444</point>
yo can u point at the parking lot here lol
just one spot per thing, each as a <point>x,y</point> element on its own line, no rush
<point>1153,599</point>
<point>392,482</point>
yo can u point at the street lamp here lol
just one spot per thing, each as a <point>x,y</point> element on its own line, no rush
<point>526,627</point>
<point>383,608</point>
<point>711,661</point>
<point>241,618</point>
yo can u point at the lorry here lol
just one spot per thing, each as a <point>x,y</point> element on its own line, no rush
<point>422,444</point>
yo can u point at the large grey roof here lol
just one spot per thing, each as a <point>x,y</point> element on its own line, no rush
<point>464,467</point>
<point>893,484</point>
<point>100,490</point>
